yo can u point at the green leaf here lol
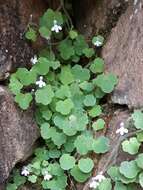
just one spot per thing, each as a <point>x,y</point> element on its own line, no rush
<point>48,18</point>
<point>129,169</point>
<point>67,162</point>
<point>54,64</point>
<point>14,85</point>
<point>80,74</point>
<point>61,182</point>
<point>73,34</point>
<point>45,32</point>
<point>59,139</point>
<point>132,187</point>
<point>65,106</point>
<point>31,34</point>
<point>42,67</point>
<point>98,40</point>
<point>66,49</point>
<point>44,95</point>
<point>46,113</point>
<point>88,52</point>
<point>42,154</point>
<point>63,92</point>
<point>95,111</point>
<point>55,169</point>
<point>106,82</point>
<point>23,100</point>
<point>11,186</point>
<point>101,145</point>
<point>26,77</point>
<point>36,165</point>
<point>120,186</point>
<point>89,100</point>
<point>85,165</point>
<point>69,145</point>
<point>18,179</point>
<point>99,93</point>
<point>54,153</point>
<point>66,76</point>
<point>140,136</point>
<point>105,185</point>
<point>78,175</point>
<point>65,124</point>
<point>71,124</point>
<point>126,180</point>
<point>139,161</point>
<point>114,173</point>
<point>46,131</point>
<point>32,178</point>
<point>87,86</point>
<point>141,179</point>
<point>138,119</point>
<point>98,125</point>
<point>80,44</point>
<point>97,66</point>
<point>83,144</point>
<point>131,146</point>
<point>58,183</point>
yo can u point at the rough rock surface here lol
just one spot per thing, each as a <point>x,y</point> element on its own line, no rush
<point>14,19</point>
<point>112,125</point>
<point>97,16</point>
<point>117,155</point>
<point>118,117</point>
<point>123,54</point>
<point>18,133</point>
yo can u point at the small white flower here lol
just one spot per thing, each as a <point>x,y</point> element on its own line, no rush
<point>25,171</point>
<point>122,124</point>
<point>47,176</point>
<point>100,177</point>
<point>122,130</point>
<point>93,184</point>
<point>40,82</point>
<point>98,43</point>
<point>33,90</point>
<point>34,60</point>
<point>57,28</point>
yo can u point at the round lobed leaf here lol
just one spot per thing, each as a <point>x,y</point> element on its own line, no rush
<point>44,95</point>
<point>64,107</point>
<point>129,169</point>
<point>78,175</point>
<point>67,162</point>
<point>85,165</point>
<point>131,146</point>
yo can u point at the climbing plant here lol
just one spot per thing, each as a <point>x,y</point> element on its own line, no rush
<point>66,82</point>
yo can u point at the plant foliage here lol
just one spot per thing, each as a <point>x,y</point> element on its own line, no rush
<point>67,99</point>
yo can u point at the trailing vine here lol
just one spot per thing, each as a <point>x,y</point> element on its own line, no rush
<point>66,82</point>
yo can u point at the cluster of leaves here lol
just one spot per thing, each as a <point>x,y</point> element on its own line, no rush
<point>68,107</point>
<point>130,173</point>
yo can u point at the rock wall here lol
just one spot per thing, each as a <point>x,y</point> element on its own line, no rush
<point>123,54</point>
<point>14,18</point>
<point>97,16</point>
<point>18,133</point>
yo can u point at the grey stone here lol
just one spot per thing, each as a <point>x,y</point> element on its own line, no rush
<point>97,17</point>
<point>123,54</point>
<point>18,133</point>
